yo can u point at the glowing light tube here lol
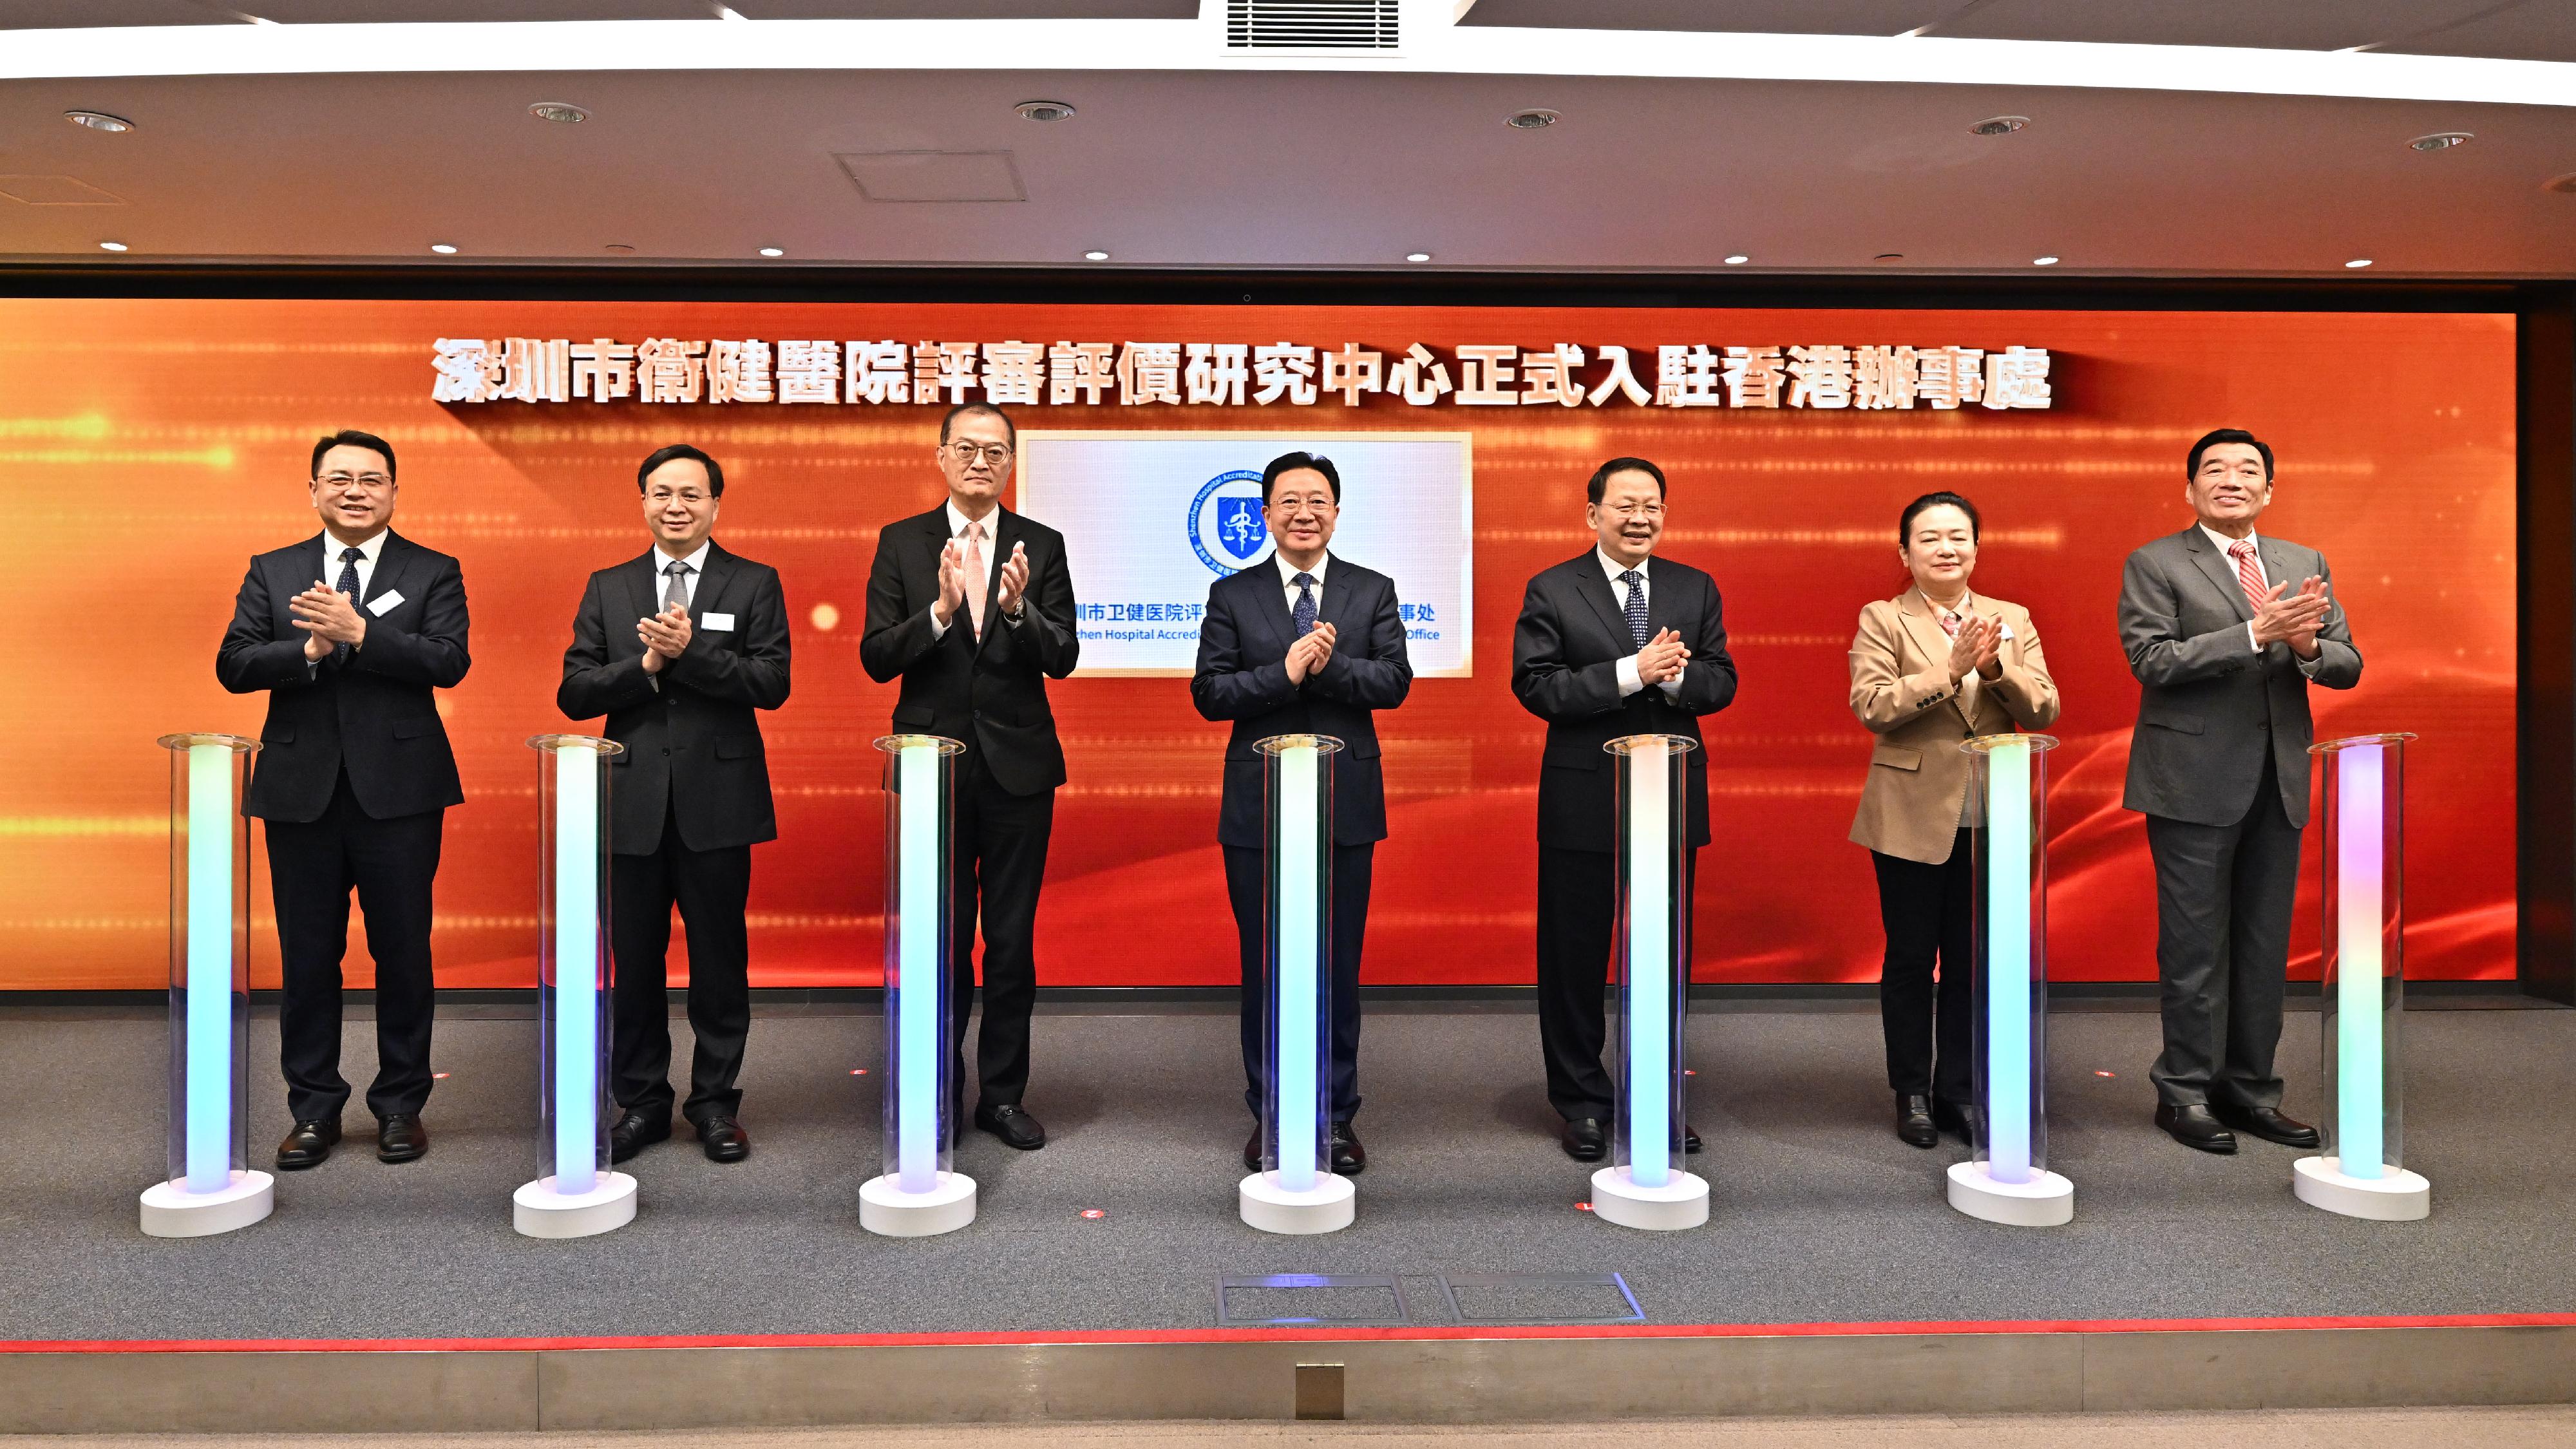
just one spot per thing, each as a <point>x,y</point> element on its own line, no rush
<point>1649,965</point>
<point>2360,824</point>
<point>917,985</point>
<point>2008,1084</point>
<point>210,968</point>
<point>1300,865</point>
<point>576,984</point>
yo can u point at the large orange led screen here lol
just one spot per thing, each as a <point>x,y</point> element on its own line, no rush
<point>152,446</point>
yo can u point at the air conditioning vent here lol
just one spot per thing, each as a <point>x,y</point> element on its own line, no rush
<point>1310,24</point>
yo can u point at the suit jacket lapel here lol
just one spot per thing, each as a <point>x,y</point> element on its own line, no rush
<point>392,562</point>
<point>1915,608</point>
<point>1334,599</point>
<point>1271,603</point>
<point>2221,571</point>
<point>1595,588</point>
<point>2276,563</point>
<point>997,551</point>
<point>711,585</point>
<point>641,581</point>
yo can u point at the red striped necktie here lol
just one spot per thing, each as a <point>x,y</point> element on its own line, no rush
<point>2249,574</point>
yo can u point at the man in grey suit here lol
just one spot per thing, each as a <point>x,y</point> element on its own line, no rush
<point>2225,631</point>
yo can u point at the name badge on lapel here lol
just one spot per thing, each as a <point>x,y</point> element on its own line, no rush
<point>718,623</point>
<point>390,601</point>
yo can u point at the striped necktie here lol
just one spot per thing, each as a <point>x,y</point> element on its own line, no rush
<point>348,585</point>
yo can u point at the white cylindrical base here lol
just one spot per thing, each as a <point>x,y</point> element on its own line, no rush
<point>2046,1201</point>
<point>1682,1202</point>
<point>539,1211</point>
<point>1330,1205</point>
<point>171,1211</point>
<point>886,1209</point>
<point>2399,1197</point>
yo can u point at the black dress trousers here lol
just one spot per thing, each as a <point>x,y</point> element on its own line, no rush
<point>711,888</point>
<point>1576,906</point>
<point>1352,867</point>
<point>998,849</point>
<point>312,866</point>
<point>1924,910</point>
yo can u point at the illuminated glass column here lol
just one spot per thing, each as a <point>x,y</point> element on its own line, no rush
<point>575,1193</point>
<point>210,1188</point>
<point>918,1194</point>
<point>1296,1190</point>
<point>2358,1172</point>
<point>2008,1181</point>
<point>1645,1186</point>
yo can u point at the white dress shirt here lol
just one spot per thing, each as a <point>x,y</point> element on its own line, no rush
<point>368,553</point>
<point>957,523</point>
<point>662,562</point>
<point>1288,581</point>
<point>2223,543</point>
<point>1630,681</point>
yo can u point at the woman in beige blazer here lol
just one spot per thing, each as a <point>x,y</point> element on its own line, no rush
<point>1931,667</point>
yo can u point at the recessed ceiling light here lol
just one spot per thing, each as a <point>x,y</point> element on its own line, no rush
<point>2043,261</point>
<point>1532,120</point>
<point>561,112</point>
<point>773,251</point>
<point>1095,255</point>
<point>111,246</point>
<point>621,248</point>
<point>444,249</point>
<point>1045,110</point>
<point>2358,262</point>
<point>1883,258</point>
<point>98,121</point>
<point>1739,259</point>
<point>1417,256</point>
<point>1998,125</point>
<point>2442,140</point>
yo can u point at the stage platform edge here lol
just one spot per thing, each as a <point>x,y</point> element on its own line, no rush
<point>1500,1375</point>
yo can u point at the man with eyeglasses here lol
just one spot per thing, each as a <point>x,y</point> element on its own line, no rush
<point>1612,642</point>
<point>971,606</point>
<point>349,633</point>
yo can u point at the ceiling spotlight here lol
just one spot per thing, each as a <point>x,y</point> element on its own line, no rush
<point>621,248</point>
<point>773,251</point>
<point>1739,259</point>
<point>1884,258</point>
<point>1045,110</point>
<point>99,121</point>
<point>1535,120</point>
<point>1998,125</point>
<point>561,112</point>
<point>111,246</point>
<point>1095,255</point>
<point>2357,263</point>
<point>2043,261</point>
<point>444,249</point>
<point>1417,256</point>
<point>2441,140</point>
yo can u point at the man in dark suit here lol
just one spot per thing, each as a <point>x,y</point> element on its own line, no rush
<point>689,797</point>
<point>971,605</point>
<point>349,633</point>
<point>1612,643</point>
<point>2225,631</point>
<point>1270,660</point>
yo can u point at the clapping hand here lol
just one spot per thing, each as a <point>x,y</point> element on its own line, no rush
<point>1974,646</point>
<point>2292,618</point>
<point>1312,651</point>
<point>328,619</point>
<point>953,583</point>
<point>1662,658</point>
<point>664,636</point>
<point>1013,581</point>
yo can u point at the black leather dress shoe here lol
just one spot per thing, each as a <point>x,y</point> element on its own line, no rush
<point>1350,1159</point>
<point>308,1144</point>
<point>1252,1151</point>
<point>1956,1118</point>
<point>1690,1138</point>
<point>1015,1127</point>
<point>401,1138</point>
<point>636,1131</point>
<point>724,1139</point>
<point>1585,1141</point>
<point>2193,1125</point>
<point>1914,1125</point>
<point>2266,1123</point>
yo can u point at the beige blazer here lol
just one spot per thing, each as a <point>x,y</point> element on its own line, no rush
<point>1901,689</point>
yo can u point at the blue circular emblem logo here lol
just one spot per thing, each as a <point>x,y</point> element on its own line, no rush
<point>1225,522</point>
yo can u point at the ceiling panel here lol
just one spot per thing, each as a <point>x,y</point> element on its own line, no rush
<point>2271,24</point>
<point>2532,30</point>
<point>84,14</point>
<point>968,9</point>
<point>1779,17</point>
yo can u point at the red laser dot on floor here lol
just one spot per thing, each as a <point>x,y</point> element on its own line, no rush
<point>2106,1074</point>
<point>1688,1072</point>
<point>858,1071</point>
<point>438,1076</point>
<point>1093,1213</point>
<point>1583,1207</point>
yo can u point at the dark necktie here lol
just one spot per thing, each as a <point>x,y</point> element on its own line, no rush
<point>1304,613</point>
<point>678,592</point>
<point>1636,605</point>
<point>348,585</point>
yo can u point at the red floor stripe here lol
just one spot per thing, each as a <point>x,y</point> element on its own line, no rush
<point>1277,1335</point>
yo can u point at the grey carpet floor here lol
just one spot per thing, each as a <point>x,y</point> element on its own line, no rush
<point>1820,1214</point>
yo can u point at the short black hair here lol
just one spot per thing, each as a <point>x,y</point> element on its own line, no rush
<point>1944,498</point>
<point>2211,439</point>
<point>1291,462</point>
<point>1593,490</point>
<point>352,438</point>
<point>963,409</point>
<point>660,456</point>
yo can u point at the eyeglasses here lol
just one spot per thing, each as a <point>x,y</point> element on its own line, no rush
<point>993,454</point>
<point>1632,510</point>
<point>363,480</point>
